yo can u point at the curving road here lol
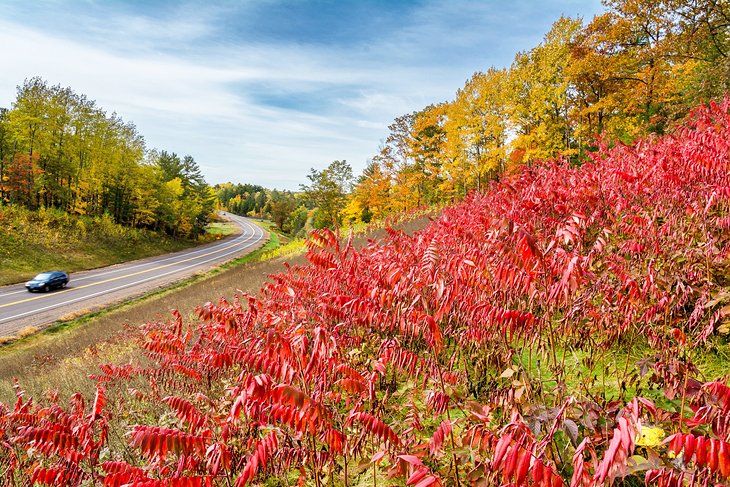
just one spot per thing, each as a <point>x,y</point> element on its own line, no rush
<point>92,290</point>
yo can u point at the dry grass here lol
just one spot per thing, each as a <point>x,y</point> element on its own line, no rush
<point>27,331</point>
<point>63,357</point>
<point>22,333</point>
<point>74,315</point>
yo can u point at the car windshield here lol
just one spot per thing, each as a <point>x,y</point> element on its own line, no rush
<point>42,276</point>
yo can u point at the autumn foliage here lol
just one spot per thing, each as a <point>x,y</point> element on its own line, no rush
<point>526,337</point>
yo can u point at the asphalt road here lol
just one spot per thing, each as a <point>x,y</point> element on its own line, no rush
<point>92,290</point>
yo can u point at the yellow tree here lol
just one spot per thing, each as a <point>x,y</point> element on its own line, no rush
<point>476,133</point>
<point>370,197</point>
<point>27,121</point>
<point>597,75</point>
<point>540,102</point>
<point>699,43</point>
<point>630,45</point>
<point>395,160</point>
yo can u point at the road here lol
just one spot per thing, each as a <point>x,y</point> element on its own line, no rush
<point>92,290</point>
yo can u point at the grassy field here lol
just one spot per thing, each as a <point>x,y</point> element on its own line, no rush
<point>31,242</point>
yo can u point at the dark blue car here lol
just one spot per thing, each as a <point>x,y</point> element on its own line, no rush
<point>45,281</point>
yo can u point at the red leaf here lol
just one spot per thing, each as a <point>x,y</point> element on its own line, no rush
<point>522,467</point>
<point>426,481</point>
<point>723,458</point>
<point>413,460</point>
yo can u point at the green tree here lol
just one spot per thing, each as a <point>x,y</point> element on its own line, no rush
<point>186,209</point>
<point>280,206</point>
<point>297,221</point>
<point>328,192</point>
<point>426,150</point>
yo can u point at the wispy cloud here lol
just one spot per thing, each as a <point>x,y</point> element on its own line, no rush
<point>253,100</point>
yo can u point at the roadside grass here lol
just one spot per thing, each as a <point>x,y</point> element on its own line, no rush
<point>62,356</point>
<point>220,228</point>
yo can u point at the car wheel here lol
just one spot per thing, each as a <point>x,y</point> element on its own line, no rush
<point>46,288</point>
<point>63,284</point>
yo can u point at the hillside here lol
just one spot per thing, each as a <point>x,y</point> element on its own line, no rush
<point>35,241</point>
<point>551,330</point>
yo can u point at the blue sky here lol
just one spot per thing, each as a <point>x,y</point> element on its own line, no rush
<point>260,91</point>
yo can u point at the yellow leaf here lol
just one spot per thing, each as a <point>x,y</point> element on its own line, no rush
<point>650,436</point>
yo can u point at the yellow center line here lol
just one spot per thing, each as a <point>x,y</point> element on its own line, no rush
<point>116,278</point>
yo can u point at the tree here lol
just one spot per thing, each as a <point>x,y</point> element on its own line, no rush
<point>59,150</point>
<point>242,199</point>
<point>540,98</point>
<point>280,206</point>
<point>703,42</point>
<point>297,221</point>
<point>6,150</point>
<point>426,149</point>
<point>194,200</point>
<point>328,191</point>
<point>395,161</point>
<point>476,133</point>
<point>370,197</point>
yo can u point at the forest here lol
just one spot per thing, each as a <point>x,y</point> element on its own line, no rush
<point>59,150</point>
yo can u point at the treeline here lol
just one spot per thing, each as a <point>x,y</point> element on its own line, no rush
<point>318,204</point>
<point>291,212</point>
<point>58,149</point>
<point>636,69</point>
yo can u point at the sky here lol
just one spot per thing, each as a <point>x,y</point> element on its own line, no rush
<point>260,91</point>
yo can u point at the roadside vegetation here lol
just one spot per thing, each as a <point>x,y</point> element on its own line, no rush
<point>64,355</point>
<point>53,356</point>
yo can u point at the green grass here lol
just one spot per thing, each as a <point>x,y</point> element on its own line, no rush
<point>220,228</point>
